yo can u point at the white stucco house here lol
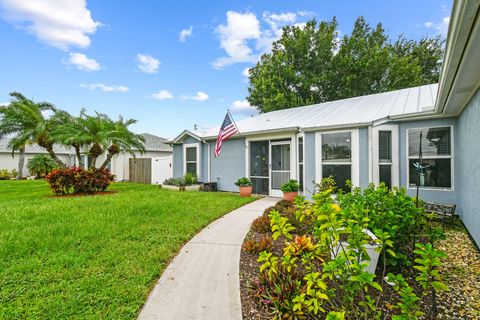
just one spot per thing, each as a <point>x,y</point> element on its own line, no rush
<point>155,149</point>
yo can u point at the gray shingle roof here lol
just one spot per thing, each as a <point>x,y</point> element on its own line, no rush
<point>152,143</point>
<point>155,143</point>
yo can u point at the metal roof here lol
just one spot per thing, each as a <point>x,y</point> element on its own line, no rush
<point>357,111</point>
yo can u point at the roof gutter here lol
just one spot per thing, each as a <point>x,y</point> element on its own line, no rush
<point>459,78</point>
<point>252,133</point>
<point>340,126</point>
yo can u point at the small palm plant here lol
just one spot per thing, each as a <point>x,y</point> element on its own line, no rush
<point>41,165</point>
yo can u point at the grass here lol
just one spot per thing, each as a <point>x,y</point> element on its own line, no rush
<point>96,256</point>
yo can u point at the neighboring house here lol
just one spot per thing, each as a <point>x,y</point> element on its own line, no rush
<point>372,138</point>
<point>155,148</point>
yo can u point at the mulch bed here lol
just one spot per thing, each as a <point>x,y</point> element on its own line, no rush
<point>100,193</point>
<point>460,271</point>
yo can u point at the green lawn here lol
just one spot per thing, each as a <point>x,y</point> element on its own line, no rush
<point>96,256</point>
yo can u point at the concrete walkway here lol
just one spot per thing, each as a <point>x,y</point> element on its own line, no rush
<point>202,282</point>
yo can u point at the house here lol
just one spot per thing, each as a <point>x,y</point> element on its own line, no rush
<point>374,138</point>
<point>120,164</point>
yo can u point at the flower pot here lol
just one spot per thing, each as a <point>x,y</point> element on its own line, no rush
<point>372,253</point>
<point>290,196</point>
<point>245,191</point>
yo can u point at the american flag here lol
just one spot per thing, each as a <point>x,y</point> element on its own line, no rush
<point>227,130</point>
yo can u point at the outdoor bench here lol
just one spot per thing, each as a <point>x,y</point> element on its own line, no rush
<point>443,212</point>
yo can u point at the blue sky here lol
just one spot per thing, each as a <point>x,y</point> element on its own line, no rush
<point>168,64</point>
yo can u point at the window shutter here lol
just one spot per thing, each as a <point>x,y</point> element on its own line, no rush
<point>385,146</point>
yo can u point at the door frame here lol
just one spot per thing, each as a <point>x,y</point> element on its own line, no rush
<point>271,191</point>
<point>292,137</point>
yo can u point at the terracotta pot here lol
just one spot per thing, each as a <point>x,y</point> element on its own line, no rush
<point>290,196</point>
<point>246,191</point>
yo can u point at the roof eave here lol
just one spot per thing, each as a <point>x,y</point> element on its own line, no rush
<point>337,127</point>
<point>459,78</point>
<point>253,133</point>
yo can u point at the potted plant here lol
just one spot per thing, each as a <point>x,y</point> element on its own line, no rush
<point>245,186</point>
<point>290,190</point>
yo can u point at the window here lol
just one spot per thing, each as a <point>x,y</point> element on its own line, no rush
<point>337,157</point>
<point>385,157</point>
<point>300,162</point>
<point>436,146</point>
<point>191,160</point>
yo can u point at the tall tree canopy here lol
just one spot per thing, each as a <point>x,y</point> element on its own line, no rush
<point>311,64</point>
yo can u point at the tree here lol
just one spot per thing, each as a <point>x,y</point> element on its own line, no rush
<point>99,134</point>
<point>122,139</point>
<point>311,64</point>
<point>41,165</point>
<point>23,121</point>
<point>70,131</point>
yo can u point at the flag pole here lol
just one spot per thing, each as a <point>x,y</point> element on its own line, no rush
<point>239,133</point>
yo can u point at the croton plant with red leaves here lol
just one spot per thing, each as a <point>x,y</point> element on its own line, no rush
<point>76,180</point>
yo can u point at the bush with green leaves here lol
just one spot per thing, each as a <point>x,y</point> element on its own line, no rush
<point>383,210</point>
<point>6,174</point>
<point>321,272</point>
<point>291,186</point>
<point>243,182</point>
<point>325,184</point>
<point>190,179</point>
<point>41,165</point>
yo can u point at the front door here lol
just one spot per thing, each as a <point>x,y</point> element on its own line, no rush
<point>279,166</point>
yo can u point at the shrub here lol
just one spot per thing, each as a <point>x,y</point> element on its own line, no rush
<point>261,224</point>
<point>254,246</point>
<point>243,182</point>
<point>174,182</point>
<point>77,180</point>
<point>325,184</point>
<point>322,272</point>
<point>41,165</point>
<point>291,186</point>
<point>383,210</point>
<point>7,175</point>
<point>190,179</point>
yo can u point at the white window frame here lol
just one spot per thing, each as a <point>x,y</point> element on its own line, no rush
<point>191,145</point>
<point>393,128</point>
<point>354,160</point>
<point>301,136</point>
<point>451,157</point>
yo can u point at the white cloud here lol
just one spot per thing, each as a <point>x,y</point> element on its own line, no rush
<point>234,37</point>
<point>441,27</point>
<point>185,33</point>
<point>243,107</point>
<point>4,104</point>
<point>245,72</point>
<point>147,63</point>
<point>104,87</point>
<point>82,62</point>
<point>61,24</point>
<point>244,37</point>
<point>200,96</point>
<point>162,95</point>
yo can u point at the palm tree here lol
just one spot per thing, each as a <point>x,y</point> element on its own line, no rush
<point>122,139</point>
<point>40,165</point>
<point>23,120</point>
<point>70,131</point>
<point>100,134</point>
